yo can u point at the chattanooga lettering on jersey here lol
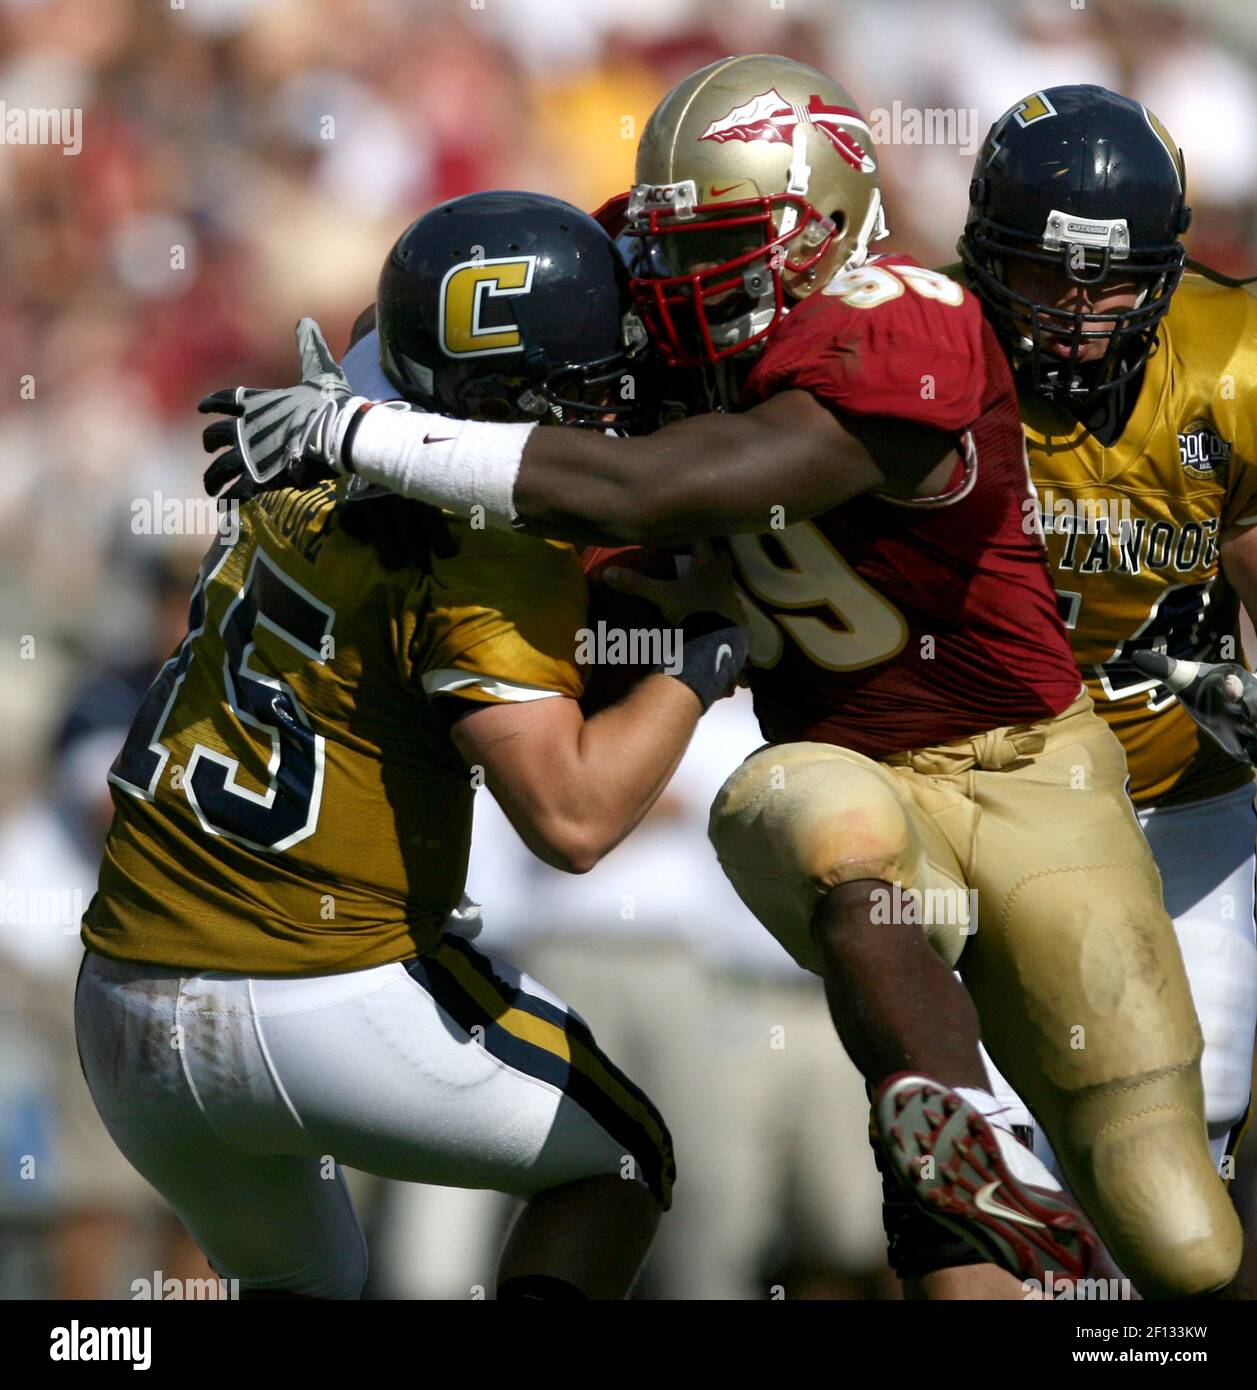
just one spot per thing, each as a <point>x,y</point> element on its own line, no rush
<point>1135,545</point>
<point>1049,513</point>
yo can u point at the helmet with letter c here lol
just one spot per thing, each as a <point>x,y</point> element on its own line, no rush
<point>511,306</point>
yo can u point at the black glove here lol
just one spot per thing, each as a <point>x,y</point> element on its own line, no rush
<point>713,652</point>
<point>1221,697</point>
<point>287,437</point>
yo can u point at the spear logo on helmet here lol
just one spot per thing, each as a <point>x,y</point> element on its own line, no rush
<point>769,116</point>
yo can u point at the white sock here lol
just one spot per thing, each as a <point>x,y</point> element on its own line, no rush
<point>1017,1157</point>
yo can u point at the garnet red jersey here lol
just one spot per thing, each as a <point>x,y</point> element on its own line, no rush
<point>887,625</point>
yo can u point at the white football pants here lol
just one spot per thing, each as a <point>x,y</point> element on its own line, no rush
<point>239,1098</point>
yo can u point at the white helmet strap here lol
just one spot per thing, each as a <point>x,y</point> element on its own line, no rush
<point>800,175</point>
<point>800,170</point>
<point>874,229</point>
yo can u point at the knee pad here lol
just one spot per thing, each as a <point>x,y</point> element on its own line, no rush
<point>852,827</point>
<point>824,815</point>
<point>1080,983</point>
<point>797,820</point>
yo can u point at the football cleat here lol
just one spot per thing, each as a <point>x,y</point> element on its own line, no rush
<point>947,1155</point>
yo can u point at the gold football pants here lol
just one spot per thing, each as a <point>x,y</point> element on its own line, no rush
<point>1069,955</point>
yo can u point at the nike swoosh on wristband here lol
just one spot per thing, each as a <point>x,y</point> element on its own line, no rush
<point>438,438</point>
<point>722,651</point>
<point>984,1201</point>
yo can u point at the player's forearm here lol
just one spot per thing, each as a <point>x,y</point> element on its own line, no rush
<point>593,789</point>
<point>781,462</point>
<point>713,475</point>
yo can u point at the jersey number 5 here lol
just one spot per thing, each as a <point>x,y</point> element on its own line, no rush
<point>288,810</point>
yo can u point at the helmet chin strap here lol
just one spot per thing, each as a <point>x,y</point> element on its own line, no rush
<point>721,385</point>
<point>800,176</point>
<point>873,229</point>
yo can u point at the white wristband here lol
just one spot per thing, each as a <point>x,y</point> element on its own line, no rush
<point>457,464</point>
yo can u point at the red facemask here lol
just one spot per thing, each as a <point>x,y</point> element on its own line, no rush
<point>678,310</point>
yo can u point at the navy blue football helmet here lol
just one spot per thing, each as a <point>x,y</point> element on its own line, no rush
<point>1091,183</point>
<point>512,306</point>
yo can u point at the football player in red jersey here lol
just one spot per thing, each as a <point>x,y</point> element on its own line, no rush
<point>938,791</point>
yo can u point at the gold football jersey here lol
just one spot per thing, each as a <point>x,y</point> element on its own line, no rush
<point>289,801</point>
<point>1133,532</point>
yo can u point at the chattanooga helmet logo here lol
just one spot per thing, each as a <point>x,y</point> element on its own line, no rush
<point>771,117</point>
<point>1202,451</point>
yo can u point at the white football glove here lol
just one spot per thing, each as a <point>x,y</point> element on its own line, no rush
<point>287,437</point>
<point>1220,696</point>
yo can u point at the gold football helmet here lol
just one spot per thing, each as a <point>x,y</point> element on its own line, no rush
<point>748,173</point>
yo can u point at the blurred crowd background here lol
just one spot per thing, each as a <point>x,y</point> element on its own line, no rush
<point>244,162</point>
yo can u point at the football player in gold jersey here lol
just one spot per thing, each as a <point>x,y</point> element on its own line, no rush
<point>913,777</point>
<point>279,977</point>
<point>1138,389</point>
